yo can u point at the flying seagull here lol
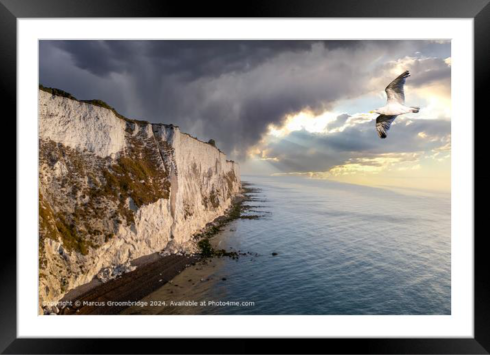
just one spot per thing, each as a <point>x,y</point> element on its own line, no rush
<point>395,105</point>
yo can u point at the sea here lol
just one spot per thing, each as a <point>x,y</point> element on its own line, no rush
<point>319,247</point>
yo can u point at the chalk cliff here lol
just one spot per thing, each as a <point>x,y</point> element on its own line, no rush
<point>113,189</point>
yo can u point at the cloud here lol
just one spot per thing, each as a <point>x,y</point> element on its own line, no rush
<point>424,71</point>
<point>232,91</point>
<point>339,122</point>
<point>356,148</point>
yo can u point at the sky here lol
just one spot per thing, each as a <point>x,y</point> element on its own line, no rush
<point>278,107</point>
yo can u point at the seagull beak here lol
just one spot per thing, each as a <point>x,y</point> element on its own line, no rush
<point>371,111</point>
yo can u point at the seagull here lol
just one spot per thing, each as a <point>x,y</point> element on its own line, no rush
<point>395,105</point>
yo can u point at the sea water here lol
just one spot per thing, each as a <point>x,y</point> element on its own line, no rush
<point>341,249</point>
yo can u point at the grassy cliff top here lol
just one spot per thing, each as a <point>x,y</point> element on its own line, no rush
<point>95,102</point>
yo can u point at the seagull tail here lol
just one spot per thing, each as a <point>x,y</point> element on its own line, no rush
<point>415,109</point>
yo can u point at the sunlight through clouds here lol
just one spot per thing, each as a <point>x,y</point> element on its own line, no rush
<point>360,157</point>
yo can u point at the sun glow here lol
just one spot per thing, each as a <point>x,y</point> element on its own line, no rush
<point>304,120</point>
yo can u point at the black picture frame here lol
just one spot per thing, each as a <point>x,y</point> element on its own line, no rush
<point>479,10</point>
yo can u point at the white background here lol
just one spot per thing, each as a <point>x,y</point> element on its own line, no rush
<point>458,324</point>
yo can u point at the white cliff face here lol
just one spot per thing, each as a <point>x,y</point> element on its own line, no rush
<point>112,190</point>
<point>80,126</point>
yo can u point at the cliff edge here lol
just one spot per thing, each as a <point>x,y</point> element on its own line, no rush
<point>113,189</point>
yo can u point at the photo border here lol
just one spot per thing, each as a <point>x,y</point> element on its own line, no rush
<point>479,10</point>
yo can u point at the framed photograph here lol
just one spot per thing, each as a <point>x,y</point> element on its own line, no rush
<point>289,176</point>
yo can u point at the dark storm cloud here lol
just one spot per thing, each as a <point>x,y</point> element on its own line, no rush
<point>230,91</point>
<point>187,59</point>
<point>303,151</point>
<point>98,57</point>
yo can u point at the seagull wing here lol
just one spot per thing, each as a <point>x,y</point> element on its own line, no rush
<point>394,91</point>
<point>383,124</point>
